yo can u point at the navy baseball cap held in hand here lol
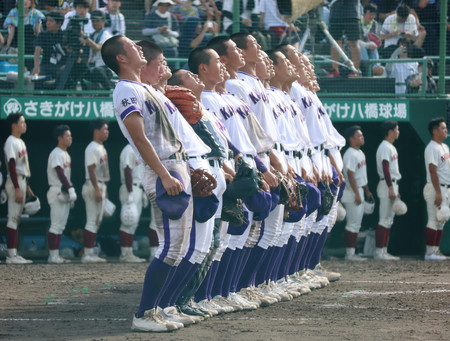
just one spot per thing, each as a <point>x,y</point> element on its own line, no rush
<point>205,208</point>
<point>172,206</point>
<point>260,204</point>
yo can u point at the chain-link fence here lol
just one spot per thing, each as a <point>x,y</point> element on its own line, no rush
<point>356,49</point>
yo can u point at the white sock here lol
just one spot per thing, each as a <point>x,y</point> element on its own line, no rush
<point>12,252</point>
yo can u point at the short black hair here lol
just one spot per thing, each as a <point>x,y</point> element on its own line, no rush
<point>198,56</point>
<point>175,79</point>
<point>240,39</point>
<point>272,55</point>
<point>403,11</point>
<point>283,48</point>
<point>388,125</point>
<point>98,14</point>
<point>13,119</point>
<point>111,48</point>
<point>150,50</point>
<point>350,132</point>
<point>84,3</point>
<point>370,8</point>
<point>218,44</point>
<point>55,15</point>
<point>434,124</point>
<point>97,124</point>
<point>60,130</point>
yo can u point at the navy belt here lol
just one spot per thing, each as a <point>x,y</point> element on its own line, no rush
<point>179,156</point>
<point>212,163</point>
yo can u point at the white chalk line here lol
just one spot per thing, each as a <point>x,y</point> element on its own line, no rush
<point>397,282</point>
<point>341,305</point>
<point>353,293</point>
<point>60,319</point>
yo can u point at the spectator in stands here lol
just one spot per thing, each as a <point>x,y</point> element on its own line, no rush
<point>98,72</point>
<point>115,21</point>
<point>2,39</point>
<point>271,20</point>
<point>162,27</point>
<point>249,11</point>
<point>428,12</point>
<point>61,6</point>
<point>185,9</point>
<point>81,15</point>
<point>389,7</point>
<point>194,33</point>
<point>49,44</point>
<point>32,20</point>
<point>369,48</point>
<point>345,19</point>
<point>5,7</point>
<point>401,71</point>
<point>402,24</point>
<point>414,81</point>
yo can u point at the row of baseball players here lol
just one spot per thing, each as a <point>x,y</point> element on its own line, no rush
<point>262,107</point>
<point>436,190</point>
<point>61,195</point>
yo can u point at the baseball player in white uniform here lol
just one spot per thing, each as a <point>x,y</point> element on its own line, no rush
<point>355,173</point>
<point>387,189</point>
<point>16,186</point>
<point>94,190</point>
<point>130,193</point>
<point>61,195</point>
<point>437,189</point>
<point>145,124</point>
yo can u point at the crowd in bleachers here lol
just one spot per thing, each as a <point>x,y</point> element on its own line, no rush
<point>65,43</point>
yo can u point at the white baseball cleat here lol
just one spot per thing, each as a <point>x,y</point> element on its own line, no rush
<point>241,301</point>
<point>92,259</point>
<point>57,259</point>
<point>434,256</point>
<point>130,258</point>
<point>321,271</point>
<point>16,259</point>
<point>385,256</point>
<point>354,257</point>
<point>224,303</point>
<point>152,322</point>
<point>170,315</point>
<point>208,307</point>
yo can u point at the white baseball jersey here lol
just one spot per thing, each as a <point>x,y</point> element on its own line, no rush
<point>61,158</point>
<point>250,89</point>
<point>129,159</point>
<point>193,144</point>
<point>387,151</point>
<point>355,161</point>
<point>334,138</point>
<point>313,118</point>
<point>95,153</point>
<point>131,97</point>
<point>260,139</point>
<point>438,155</point>
<point>229,117</point>
<point>283,114</point>
<point>216,127</point>
<point>16,149</point>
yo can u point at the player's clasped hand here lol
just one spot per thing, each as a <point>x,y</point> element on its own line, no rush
<point>172,185</point>
<point>438,200</point>
<point>19,196</point>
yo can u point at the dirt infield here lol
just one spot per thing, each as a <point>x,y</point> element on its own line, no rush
<point>374,300</point>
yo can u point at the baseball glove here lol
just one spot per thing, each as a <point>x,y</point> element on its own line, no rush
<point>186,103</point>
<point>245,183</point>
<point>327,200</point>
<point>285,187</point>
<point>295,199</point>
<point>232,211</point>
<point>202,182</point>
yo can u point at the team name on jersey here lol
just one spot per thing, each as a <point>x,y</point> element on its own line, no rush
<point>22,153</point>
<point>67,165</point>
<point>227,112</point>
<point>256,97</point>
<point>104,158</point>
<point>243,110</point>
<point>394,157</point>
<point>151,109</point>
<point>361,164</point>
<point>294,112</point>
<point>445,157</point>
<point>128,101</point>
<point>172,108</point>
<point>307,101</point>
